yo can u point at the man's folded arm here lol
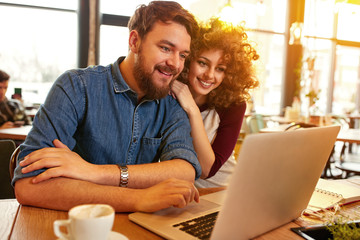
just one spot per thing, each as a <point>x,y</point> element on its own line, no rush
<point>64,193</point>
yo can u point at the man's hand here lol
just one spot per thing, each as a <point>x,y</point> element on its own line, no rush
<point>60,161</point>
<point>7,125</point>
<point>171,192</point>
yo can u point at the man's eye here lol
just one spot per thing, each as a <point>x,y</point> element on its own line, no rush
<point>166,49</point>
<point>183,56</point>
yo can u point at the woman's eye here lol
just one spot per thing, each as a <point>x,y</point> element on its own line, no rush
<point>202,63</point>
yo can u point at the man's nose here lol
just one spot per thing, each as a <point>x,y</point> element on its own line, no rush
<point>174,61</point>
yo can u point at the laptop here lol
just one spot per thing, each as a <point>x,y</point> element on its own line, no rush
<point>271,185</point>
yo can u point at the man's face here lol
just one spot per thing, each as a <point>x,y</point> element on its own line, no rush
<point>161,58</point>
<point>3,89</point>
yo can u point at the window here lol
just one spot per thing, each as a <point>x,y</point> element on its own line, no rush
<point>113,43</point>
<point>347,79</point>
<point>335,45</point>
<point>270,71</point>
<point>348,18</point>
<point>37,45</point>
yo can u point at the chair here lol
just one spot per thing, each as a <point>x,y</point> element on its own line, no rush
<point>255,123</point>
<point>348,168</point>
<point>328,171</point>
<point>12,164</point>
<point>7,147</point>
<point>297,125</point>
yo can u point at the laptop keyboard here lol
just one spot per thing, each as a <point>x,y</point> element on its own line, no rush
<point>199,227</point>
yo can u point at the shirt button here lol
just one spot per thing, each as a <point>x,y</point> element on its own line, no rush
<point>134,140</point>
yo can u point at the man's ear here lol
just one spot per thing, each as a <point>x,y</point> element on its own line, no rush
<point>134,41</point>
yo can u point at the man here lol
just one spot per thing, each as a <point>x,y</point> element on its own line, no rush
<point>12,112</point>
<point>119,122</point>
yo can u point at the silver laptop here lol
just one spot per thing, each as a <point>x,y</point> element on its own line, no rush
<point>271,185</point>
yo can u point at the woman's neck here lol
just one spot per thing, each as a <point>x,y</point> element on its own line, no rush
<point>199,99</point>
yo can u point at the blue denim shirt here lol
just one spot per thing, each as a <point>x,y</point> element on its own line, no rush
<point>95,113</point>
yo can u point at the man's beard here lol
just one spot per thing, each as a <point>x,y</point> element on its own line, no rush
<point>144,79</point>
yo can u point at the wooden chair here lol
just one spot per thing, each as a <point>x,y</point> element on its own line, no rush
<point>12,164</point>
<point>7,147</point>
<point>297,125</point>
<point>347,167</point>
<point>329,171</point>
<point>255,123</point>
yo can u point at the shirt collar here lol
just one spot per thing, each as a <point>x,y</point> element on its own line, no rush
<point>120,85</point>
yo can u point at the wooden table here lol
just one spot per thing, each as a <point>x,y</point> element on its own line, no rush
<point>350,135</point>
<point>18,133</point>
<point>8,210</point>
<point>23,222</point>
<point>37,223</point>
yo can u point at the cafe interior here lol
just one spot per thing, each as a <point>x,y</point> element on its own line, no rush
<point>309,69</point>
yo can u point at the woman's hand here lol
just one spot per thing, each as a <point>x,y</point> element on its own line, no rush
<point>181,92</point>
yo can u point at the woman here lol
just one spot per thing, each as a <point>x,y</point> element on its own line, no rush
<point>213,90</point>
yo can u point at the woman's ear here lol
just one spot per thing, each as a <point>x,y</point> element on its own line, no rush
<point>134,41</point>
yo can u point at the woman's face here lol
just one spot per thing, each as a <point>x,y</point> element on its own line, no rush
<point>206,72</point>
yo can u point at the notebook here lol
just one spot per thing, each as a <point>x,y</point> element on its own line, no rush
<point>271,185</point>
<point>328,193</point>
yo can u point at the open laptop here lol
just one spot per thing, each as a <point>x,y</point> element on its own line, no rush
<point>272,184</point>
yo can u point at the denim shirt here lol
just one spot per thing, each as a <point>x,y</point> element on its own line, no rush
<point>95,113</point>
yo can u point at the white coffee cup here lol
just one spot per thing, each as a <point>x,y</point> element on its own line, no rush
<point>87,222</point>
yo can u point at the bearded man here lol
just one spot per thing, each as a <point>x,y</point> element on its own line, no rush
<point>112,134</point>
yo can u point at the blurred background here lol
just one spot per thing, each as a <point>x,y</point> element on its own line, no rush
<point>309,49</point>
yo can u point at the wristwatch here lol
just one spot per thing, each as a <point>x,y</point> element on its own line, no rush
<point>124,175</point>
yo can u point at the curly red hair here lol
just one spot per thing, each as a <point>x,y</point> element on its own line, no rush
<point>239,55</point>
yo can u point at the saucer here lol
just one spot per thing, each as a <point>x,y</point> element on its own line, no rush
<point>116,236</point>
<point>112,236</point>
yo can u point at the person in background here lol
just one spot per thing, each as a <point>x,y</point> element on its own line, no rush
<point>112,134</point>
<point>12,112</point>
<point>213,90</point>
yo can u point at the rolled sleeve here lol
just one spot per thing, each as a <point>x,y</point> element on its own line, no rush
<point>177,139</point>
<point>186,153</point>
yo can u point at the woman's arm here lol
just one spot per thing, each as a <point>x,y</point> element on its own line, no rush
<point>201,142</point>
<point>227,134</point>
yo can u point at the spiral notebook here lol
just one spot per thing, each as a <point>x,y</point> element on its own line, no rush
<point>328,193</point>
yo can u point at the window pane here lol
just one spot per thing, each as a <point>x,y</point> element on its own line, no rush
<point>315,75</point>
<point>269,72</point>
<point>36,51</point>
<point>120,7</point>
<point>113,43</point>
<point>347,78</point>
<point>267,15</point>
<point>349,15</point>
<point>66,4</point>
<point>319,18</point>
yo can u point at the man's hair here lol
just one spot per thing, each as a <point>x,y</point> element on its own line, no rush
<point>4,76</point>
<point>146,16</point>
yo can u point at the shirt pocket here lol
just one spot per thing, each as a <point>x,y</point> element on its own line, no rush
<point>150,150</point>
